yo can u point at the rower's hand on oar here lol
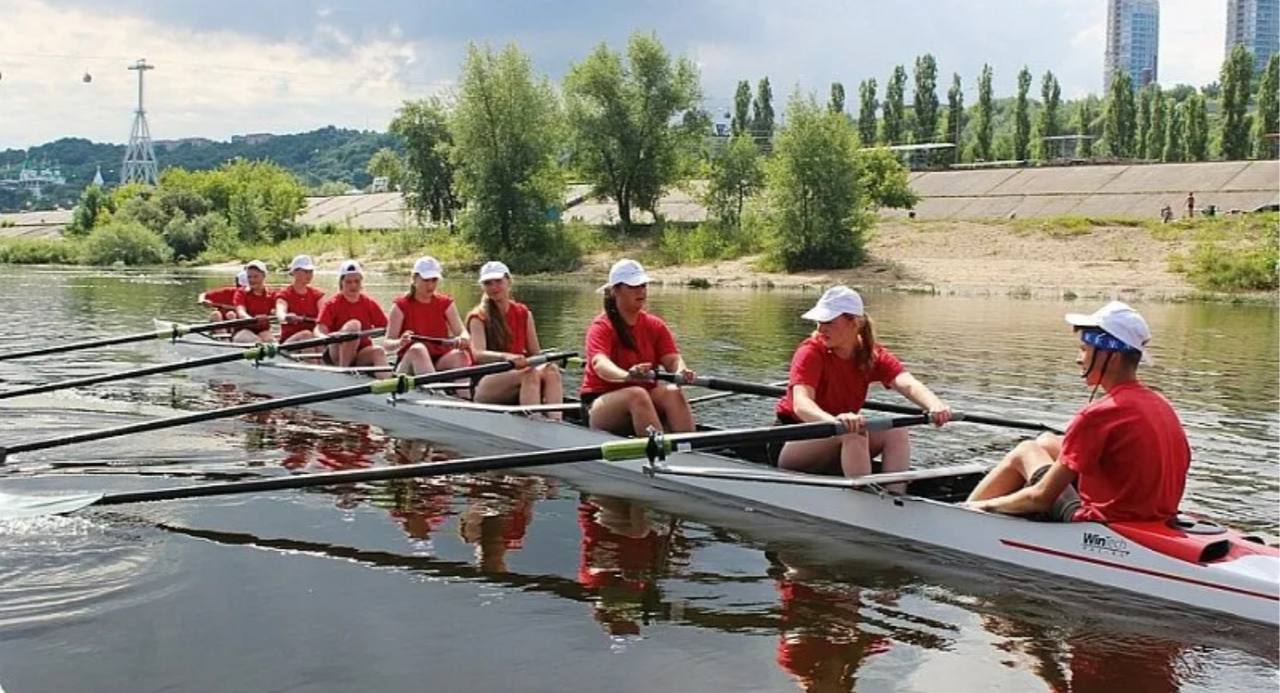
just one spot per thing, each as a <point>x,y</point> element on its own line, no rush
<point>519,362</point>
<point>853,423</point>
<point>940,415</point>
<point>462,341</point>
<point>687,375</point>
<point>640,372</point>
<point>406,338</point>
<point>292,319</point>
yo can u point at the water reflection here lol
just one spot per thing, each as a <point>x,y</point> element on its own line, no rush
<point>622,560</point>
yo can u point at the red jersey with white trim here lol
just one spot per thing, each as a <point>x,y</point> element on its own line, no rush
<point>221,297</point>
<point>653,340</point>
<point>256,304</point>
<point>305,304</point>
<point>517,328</point>
<point>429,319</point>
<point>336,310</point>
<point>839,385</point>
<point>1130,455</point>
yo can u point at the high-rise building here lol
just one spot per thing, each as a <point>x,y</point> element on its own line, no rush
<point>1133,41</point>
<point>1256,24</point>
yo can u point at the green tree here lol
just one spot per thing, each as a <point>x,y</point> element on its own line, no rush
<point>1268,120</point>
<point>736,175</point>
<point>867,106</point>
<point>893,124</point>
<point>1022,117</point>
<point>741,121</point>
<point>837,97</point>
<point>955,115</point>
<point>1196,125</point>
<point>622,119</point>
<point>882,181</point>
<point>984,117</point>
<point>813,189</point>
<point>762,113</point>
<point>1143,136</point>
<point>1174,142</point>
<point>423,126</point>
<point>1048,122</point>
<point>385,163</point>
<point>1237,71</point>
<point>507,132</point>
<point>1119,119</point>
<point>95,206</point>
<point>1086,113</point>
<point>925,98</point>
<point>1159,123</point>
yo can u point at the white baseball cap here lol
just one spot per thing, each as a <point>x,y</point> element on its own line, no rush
<point>242,278</point>
<point>493,270</point>
<point>301,262</point>
<point>428,268</point>
<point>349,267</point>
<point>256,264</point>
<point>1119,320</point>
<point>626,271</point>
<point>835,302</point>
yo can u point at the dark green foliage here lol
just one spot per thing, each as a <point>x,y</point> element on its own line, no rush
<point>893,124</point>
<point>1175,147</point>
<point>428,171</point>
<point>762,112</point>
<point>837,98</point>
<point>125,242</point>
<point>955,115</point>
<point>1119,124</point>
<point>94,204</point>
<point>1048,123</point>
<point>1159,124</point>
<point>1237,71</point>
<point>736,175</point>
<point>1022,117</point>
<point>741,121</point>
<point>1268,120</point>
<point>925,99</point>
<point>867,106</point>
<point>1196,128</point>
<point>983,118</point>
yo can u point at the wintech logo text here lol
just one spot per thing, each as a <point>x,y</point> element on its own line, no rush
<point>1104,543</point>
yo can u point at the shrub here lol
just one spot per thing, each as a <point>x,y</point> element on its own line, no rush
<point>188,238</point>
<point>1215,268</point>
<point>39,251</point>
<point>126,242</point>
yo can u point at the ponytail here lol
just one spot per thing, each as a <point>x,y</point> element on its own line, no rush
<point>620,327</point>
<point>865,356</point>
<point>497,334</point>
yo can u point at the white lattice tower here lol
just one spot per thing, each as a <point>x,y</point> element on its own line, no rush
<point>140,158</point>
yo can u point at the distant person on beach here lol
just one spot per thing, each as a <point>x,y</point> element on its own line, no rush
<point>1166,214</point>
<point>1191,205</point>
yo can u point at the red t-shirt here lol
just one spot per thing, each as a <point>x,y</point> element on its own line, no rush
<point>517,327</point>
<point>653,341</point>
<point>336,310</point>
<point>1130,455</point>
<point>426,320</point>
<point>221,297</point>
<point>305,304</point>
<point>256,304</point>
<point>839,385</point>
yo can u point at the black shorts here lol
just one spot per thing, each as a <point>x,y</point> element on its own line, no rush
<point>1064,506</point>
<point>586,399</point>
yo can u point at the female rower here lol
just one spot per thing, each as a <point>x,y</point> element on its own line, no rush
<point>624,345</point>
<point>253,301</point>
<point>830,374</point>
<point>350,310</point>
<point>503,329</point>
<point>220,299</point>
<point>424,327</point>
<point>298,304</point>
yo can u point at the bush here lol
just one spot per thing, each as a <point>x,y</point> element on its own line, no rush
<point>188,238</point>
<point>39,251</point>
<point>1215,268</point>
<point>126,242</point>
<point>711,240</point>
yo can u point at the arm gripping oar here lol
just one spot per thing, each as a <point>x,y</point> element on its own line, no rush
<point>398,385</point>
<point>172,332</point>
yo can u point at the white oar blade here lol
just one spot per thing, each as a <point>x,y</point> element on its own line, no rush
<point>18,507</point>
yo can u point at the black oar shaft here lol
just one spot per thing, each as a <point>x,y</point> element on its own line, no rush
<point>170,332</point>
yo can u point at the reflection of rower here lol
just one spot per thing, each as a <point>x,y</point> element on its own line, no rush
<point>493,528</point>
<point>821,645</point>
<point>421,506</point>
<point>622,558</point>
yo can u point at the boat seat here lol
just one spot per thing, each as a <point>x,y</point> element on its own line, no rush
<point>1194,525</point>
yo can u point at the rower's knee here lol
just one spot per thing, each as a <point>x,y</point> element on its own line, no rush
<point>550,373</point>
<point>352,325</point>
<point>417,350</point>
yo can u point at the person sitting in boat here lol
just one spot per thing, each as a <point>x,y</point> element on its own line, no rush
<point>298,304</point>
<point>624,345</point>
<point>502,328</point>
<point>424,327</point>
<point>350,310</point>
<point>830,374</point>
<point>220,299</point>
<point>254,300</point>
<point>1126,453</point>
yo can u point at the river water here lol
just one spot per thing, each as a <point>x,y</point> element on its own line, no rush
<point>512,582</point>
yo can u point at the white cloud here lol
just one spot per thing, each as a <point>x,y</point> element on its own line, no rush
<point>1192,38</point>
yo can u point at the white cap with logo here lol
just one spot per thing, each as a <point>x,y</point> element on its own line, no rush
<point>301,262</point>
<point>349,267</point>
<point>836,301</point>
<point>1119,320</point>
<point>493,269</point>
<point>242,278</point>
<point>256,264</point>
<point>428,268</point>
<point>626,271</point>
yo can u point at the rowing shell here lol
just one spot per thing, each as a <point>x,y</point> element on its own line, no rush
<point>1190,562</point>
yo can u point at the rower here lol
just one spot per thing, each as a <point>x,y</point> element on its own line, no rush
<point>255,299</point>
<point>502,328</point>
<point>350,310</point>
<point>624,345</point>
<point>298,304</point>
<point>424,327</point>
<point>830,374</point>
<point>1127,452</point>
<point>220,299</point>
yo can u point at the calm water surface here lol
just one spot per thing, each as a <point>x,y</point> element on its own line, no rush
<point>527,583</point>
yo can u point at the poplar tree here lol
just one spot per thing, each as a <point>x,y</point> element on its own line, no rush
<point>894,107</point>
<point>1196,124</point>
<point>925,99</point>
<point>1268,120</point>
<point>1022,116</point>
<point>1174,149</point>
<point>867,112</point>
<point>1144,122</point>
<point>1159,122</point>
<point>1047,124</point>
<point>741,108</point>
<point>955,114</point>
<point>983,118</point>
<point>837,98</point>
<point>1237,71</point>
<point>762,112</point>
<point>1085,115</point>
<point>1118,121</point>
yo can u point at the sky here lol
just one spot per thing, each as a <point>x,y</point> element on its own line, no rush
<point>229,67</point>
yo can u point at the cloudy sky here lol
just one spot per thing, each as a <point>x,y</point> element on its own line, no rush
<point>235,66</point>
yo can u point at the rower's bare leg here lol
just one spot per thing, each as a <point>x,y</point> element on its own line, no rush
<point>500,388</point>
<point>344,353</point>
<point>894,448</point>
<point>299,336</point>
<point>552,388</point>
<point>455,359</point>
<point>1017,466</point>
<point>673,407</point>
<point>415,360</point>
<point>810,456</point>
<point>246,337</point>
<point>374,356</point>
<point>855,455</point>
<point>620,410</point>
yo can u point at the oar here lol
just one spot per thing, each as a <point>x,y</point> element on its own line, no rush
<point>13,506</point>
<point>172,332</point>
<point>398,385</point>
<point>254,353</point>
<point>750,388</point>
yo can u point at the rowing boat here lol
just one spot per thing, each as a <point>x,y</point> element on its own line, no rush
<point>1189,561</point>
